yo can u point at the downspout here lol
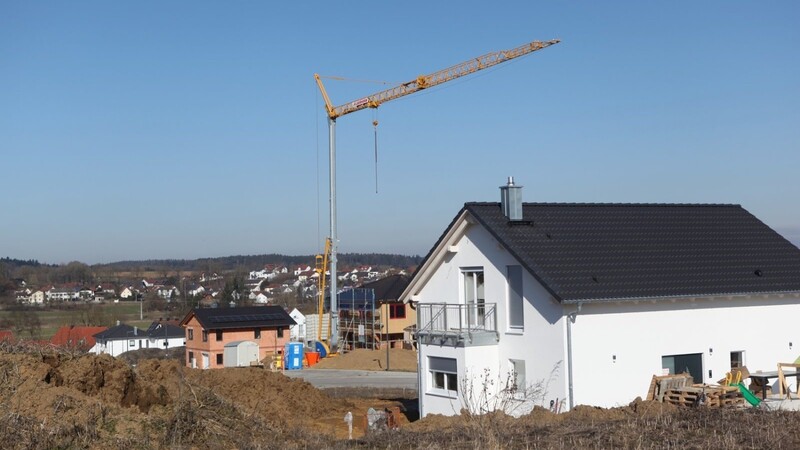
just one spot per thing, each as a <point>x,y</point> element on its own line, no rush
<point>570,320</point>
<point>419,363</point>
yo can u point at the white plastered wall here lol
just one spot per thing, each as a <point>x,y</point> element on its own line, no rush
<point>639,334</point>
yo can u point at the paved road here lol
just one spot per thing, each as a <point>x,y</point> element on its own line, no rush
<point>332,378</point>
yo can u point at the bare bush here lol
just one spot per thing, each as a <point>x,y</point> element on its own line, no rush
<point>490,391</point>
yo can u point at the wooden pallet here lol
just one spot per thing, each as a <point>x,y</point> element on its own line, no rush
<point>661,384</point>
<point>709,396</point>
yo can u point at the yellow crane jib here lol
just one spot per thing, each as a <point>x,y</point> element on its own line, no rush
<point>431,80</point>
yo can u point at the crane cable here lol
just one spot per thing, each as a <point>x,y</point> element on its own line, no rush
<point>375,128</point>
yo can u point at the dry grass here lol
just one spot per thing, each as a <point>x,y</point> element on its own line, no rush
<point>58,399</point>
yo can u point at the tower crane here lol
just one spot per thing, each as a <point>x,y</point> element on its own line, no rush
<point>375,100</point>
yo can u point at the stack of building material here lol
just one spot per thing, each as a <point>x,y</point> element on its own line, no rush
<point>679,390</point>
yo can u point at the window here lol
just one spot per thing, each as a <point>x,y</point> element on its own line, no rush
<point>474,296</point>
<point>737,360</point>
<point>517,383</point>
<point>257,333</point>
<point>444,373</point>
<point>219,359</point>
<point>280,332</point>
<point>132,343</point>
<point>690,363</point>
<point>190,358</point>
<point>219,335</point>
<point>397,311</point>
<point>516,317</point>
<point>205,336</point>
<point>190,334</point>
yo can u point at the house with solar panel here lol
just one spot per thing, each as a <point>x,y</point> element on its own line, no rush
<point>586,302</point>
<point>234,337</point>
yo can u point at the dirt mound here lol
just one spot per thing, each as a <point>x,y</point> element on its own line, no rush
<point>363,359</point>
<point>61,400</point>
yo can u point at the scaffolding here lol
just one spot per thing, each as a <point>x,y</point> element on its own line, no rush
<point>359,320</point>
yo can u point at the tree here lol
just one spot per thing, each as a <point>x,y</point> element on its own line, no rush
<point>26,321</point>
<point>152,302</point>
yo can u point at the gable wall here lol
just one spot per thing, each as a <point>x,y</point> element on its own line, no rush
<point>541,344</point>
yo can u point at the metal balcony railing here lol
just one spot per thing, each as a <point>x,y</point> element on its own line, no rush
<point>461,322</point>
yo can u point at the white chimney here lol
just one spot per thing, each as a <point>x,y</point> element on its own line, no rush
<point>511,200</point>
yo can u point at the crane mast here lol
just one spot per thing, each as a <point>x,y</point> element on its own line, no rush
<point>377,99</point>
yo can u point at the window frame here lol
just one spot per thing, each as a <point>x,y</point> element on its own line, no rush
<point>218,335</point>
<point>394,308</point>
<point>515,380</point>
<point>205,335</point>
<point>256,333</point>
<point>219,359</point>
<point>515,301</point>
<point>443,380</point>
<point>476,309</point>
<point>279,332</point>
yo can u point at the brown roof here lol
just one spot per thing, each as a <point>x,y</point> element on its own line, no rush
<point>76,337</point>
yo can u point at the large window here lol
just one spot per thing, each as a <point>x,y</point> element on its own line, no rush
<point>516,318</point>
<point>397,311</point>
<point>474,296</point>
<point>444,373</point>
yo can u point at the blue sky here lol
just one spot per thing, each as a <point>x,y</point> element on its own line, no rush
<point>137,130</point>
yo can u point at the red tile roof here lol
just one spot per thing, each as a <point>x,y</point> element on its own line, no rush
<point>76,337</point>
<point>6,335</point>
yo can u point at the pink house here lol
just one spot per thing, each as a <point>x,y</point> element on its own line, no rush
<point>209,330</point>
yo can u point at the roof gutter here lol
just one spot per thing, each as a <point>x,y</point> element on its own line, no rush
<point>662,298</point>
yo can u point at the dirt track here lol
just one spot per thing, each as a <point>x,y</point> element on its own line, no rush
<point>361,359</point>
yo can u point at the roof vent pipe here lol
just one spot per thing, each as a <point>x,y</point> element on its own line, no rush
<point>511,200</point>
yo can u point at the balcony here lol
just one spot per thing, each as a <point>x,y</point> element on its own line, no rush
<point>457,325</point>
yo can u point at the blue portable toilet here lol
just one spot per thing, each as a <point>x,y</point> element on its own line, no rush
<point>294,356</point>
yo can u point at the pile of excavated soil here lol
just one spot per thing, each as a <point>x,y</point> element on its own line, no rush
<point>363,359</point>
<point>50,400</point>
<point>59,400</point>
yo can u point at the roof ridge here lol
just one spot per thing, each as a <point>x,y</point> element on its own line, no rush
<point>607,204</point>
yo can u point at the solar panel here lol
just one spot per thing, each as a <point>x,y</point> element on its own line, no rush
<point>246,318</point>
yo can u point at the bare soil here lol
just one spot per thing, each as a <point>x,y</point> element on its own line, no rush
<point>64,400</point>
<point>364,359</point>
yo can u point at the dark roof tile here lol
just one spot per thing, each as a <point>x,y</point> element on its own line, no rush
<point>617,251</point>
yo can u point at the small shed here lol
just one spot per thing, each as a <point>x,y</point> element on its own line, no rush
<point>240,354</point>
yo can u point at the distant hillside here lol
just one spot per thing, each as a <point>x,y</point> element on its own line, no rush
<point>12,263</point>
<point>227,263</point>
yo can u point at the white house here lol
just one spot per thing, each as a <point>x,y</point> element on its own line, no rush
<point>260,298</point>
<point>297,332</point>
<point>588,301</point>
<point>124,338</point>
<point>127,293</point>
<point>37,298</point>
<point>61,295</point>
